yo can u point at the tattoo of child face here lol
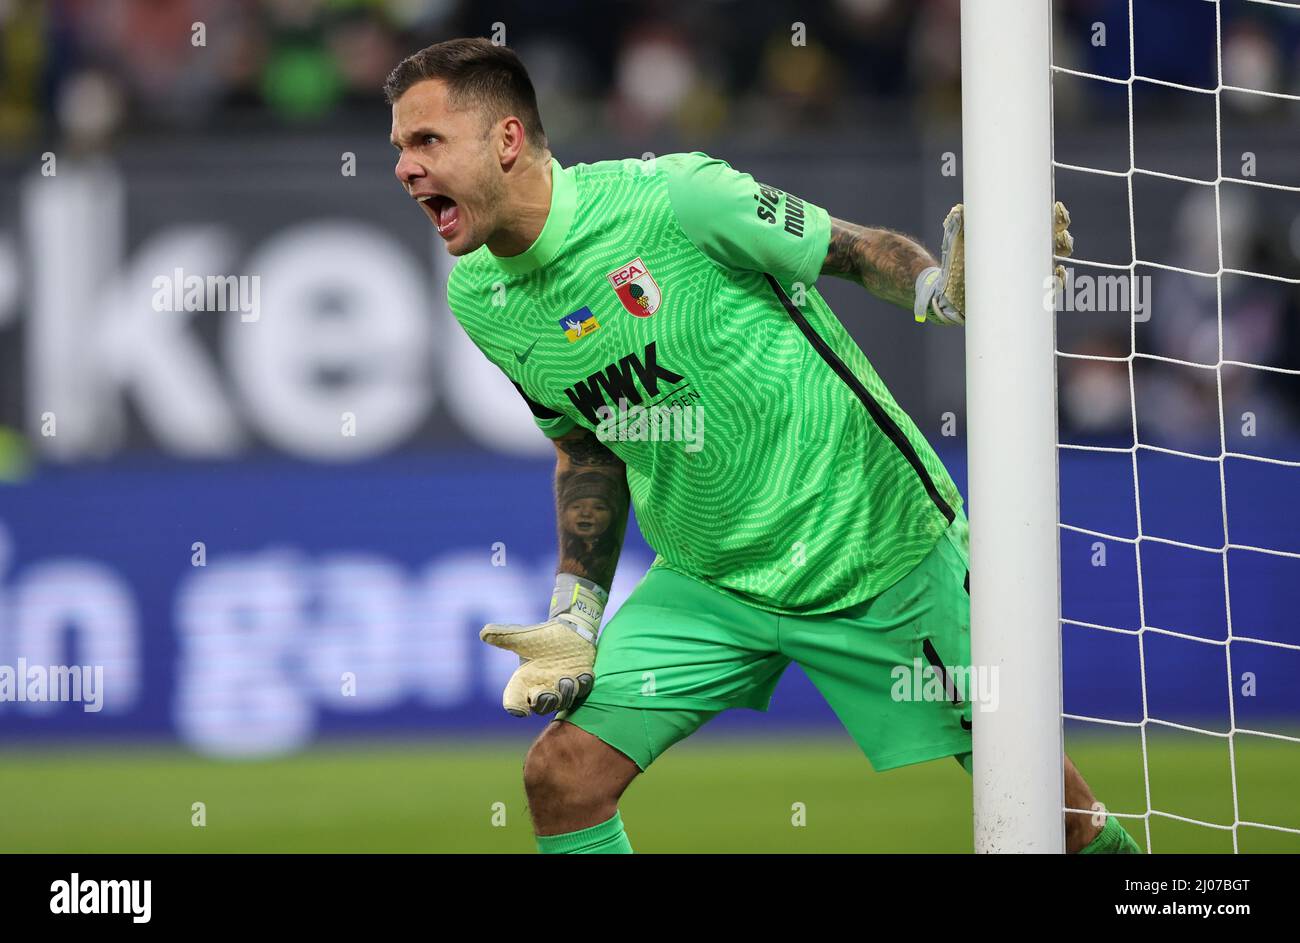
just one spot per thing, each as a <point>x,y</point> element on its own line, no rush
<point>592,510</point>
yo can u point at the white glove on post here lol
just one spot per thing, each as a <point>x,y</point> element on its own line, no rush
<point>556,657</point>
<point>941,290</point>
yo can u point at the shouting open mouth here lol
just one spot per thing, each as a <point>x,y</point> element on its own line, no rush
<point>442,210</point>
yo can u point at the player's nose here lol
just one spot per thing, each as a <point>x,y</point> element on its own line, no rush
<point>408,170</point>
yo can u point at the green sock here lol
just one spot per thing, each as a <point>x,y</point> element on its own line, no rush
<point>607,838</point>
<point>1111,840</point>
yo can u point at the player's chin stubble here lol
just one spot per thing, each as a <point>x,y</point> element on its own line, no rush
<point>492,195</point>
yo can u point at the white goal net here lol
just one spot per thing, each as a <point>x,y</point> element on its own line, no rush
<point>1179,446</point>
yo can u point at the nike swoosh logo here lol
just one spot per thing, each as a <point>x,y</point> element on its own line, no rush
<point>527,353</point>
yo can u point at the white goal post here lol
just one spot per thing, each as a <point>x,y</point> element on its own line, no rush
<point>1012,436</point>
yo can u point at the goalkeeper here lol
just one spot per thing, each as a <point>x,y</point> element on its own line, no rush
<point>812,524</point>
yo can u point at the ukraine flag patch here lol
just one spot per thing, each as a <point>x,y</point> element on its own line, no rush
<point>579,324</point>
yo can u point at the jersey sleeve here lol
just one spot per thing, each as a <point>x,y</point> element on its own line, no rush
<point>743,224</point>
<point>552,424</point>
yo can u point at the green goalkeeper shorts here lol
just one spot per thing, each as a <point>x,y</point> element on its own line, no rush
<point>679,651</point>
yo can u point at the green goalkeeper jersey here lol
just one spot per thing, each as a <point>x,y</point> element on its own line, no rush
<point>668,305</point>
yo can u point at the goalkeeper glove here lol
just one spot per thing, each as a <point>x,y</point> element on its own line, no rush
<point>1062,241</point>
<point>556,657</point>
<point>941,289</point>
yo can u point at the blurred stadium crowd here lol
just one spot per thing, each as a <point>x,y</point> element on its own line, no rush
<point>87,67</point>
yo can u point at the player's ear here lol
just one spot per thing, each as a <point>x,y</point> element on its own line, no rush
<point>508,139</point>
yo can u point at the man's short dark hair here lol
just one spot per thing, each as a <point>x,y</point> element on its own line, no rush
<point>478,74</point>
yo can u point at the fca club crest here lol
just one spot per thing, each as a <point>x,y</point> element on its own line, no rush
<point>636,288</point>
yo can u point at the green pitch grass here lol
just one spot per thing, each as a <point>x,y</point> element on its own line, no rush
<point>710,794</point>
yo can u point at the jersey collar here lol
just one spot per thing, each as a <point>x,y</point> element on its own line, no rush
<point>564,200</point>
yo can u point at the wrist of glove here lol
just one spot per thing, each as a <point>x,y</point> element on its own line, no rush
<point>931,303</point>
<point>580,604</point>
<point>556,657</point>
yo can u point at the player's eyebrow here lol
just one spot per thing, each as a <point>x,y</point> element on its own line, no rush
<point>415,136</point>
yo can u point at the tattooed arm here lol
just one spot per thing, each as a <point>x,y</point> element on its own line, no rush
<point>592,502</point>
<point>886,262</point>
<point>557,657</point>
